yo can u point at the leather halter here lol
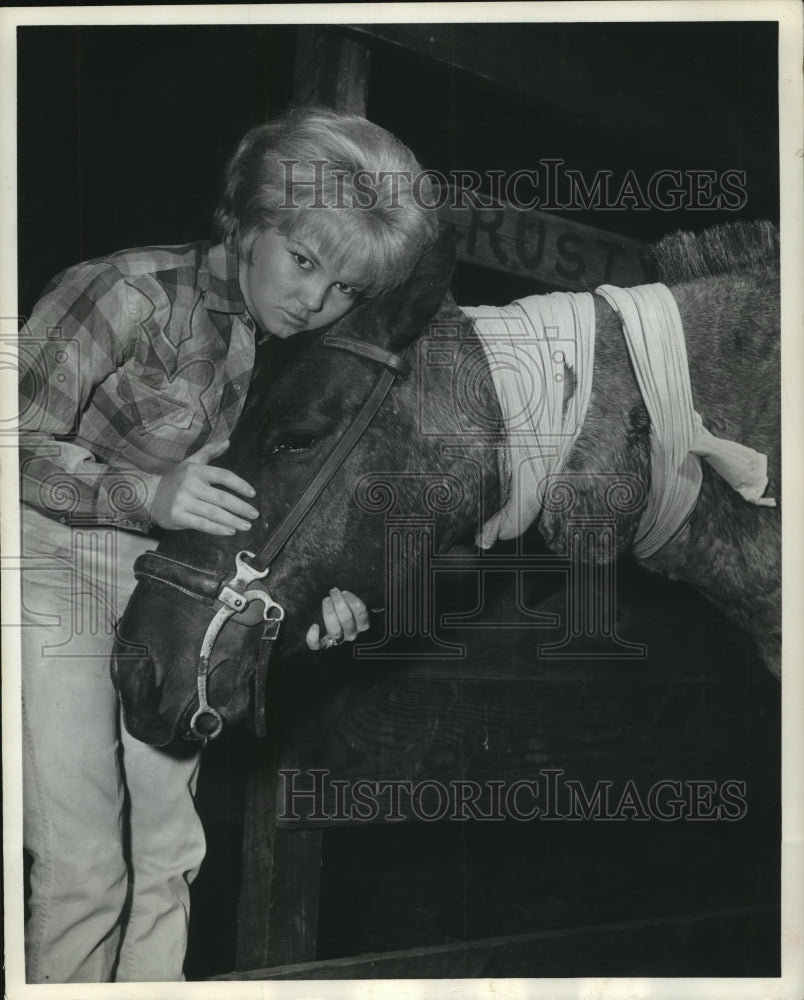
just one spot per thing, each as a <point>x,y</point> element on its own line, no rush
<point>233,594</point>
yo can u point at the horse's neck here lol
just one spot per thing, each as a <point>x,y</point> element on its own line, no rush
<point>457,419</point>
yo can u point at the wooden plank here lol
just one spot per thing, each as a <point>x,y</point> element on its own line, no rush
<point>503,712</point>
<point>484,50</point>
<point>535,244</point>
<point>277,919</point>
<point>647,947</point>
<point>416,749</point>
<point>561,78</point>
<point>331,69</point>
<point>292,925</point>
<point>258,835</point>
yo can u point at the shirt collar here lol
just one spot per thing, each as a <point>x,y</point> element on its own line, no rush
<point>219,281</point>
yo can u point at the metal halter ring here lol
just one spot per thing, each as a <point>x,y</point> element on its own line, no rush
<point>234,597</point>
<point>330,641</point>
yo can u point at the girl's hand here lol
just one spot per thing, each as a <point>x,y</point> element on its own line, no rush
<point>344,617</point>
<point>186,496</point>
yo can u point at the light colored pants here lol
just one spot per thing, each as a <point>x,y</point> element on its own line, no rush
<point>109,822</point>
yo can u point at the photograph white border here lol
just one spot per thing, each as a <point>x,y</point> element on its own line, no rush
<point>789,16</point>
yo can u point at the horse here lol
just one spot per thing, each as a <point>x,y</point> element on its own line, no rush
<point>359,389</point>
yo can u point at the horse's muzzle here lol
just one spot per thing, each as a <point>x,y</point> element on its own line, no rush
<point>134,676</point>
<point>159,706</point>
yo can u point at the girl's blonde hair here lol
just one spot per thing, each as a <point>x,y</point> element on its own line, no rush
<point>339,179</point>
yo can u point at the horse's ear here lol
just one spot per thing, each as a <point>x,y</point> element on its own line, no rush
<point>416,302</point>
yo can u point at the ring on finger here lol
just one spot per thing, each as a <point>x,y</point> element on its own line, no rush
<point>329,641</point>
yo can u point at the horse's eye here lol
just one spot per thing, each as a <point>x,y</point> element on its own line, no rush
<point>295,442</point>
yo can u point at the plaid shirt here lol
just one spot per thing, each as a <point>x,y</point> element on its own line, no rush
<point>128,364</point>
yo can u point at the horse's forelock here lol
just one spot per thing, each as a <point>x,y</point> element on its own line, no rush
<point>400,315</point>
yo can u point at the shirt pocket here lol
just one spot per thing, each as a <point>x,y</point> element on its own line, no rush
<point>157,407</point>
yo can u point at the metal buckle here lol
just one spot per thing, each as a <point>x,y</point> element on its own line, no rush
<point>235,598</point>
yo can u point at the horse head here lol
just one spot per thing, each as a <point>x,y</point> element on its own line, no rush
<point>297,412</point>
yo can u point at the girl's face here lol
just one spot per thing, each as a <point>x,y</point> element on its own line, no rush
<point>289,286</point>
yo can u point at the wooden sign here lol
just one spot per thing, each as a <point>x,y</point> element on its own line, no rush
<point>553,250</point>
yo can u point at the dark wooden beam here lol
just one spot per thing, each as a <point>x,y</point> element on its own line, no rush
<point>331,69</point>
<point>593,83</point>
<point>645,947</point>
<point>277,915</point>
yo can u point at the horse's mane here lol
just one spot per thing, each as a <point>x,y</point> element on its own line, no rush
<point>728,249</point>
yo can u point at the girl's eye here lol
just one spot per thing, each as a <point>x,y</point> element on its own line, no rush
<point>348,290</point>
<point>304,262</point>
<point>294,443</point>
